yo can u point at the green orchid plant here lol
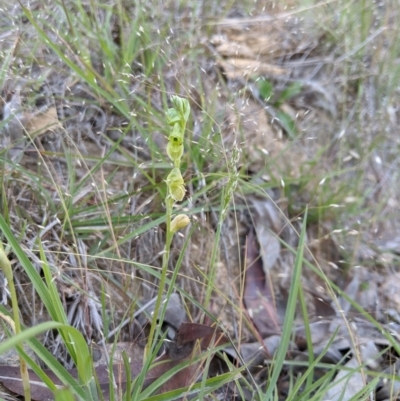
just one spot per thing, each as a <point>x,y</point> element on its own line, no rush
<point>177,117</point>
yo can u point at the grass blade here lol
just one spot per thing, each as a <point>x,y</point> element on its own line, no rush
<point>289,318</point>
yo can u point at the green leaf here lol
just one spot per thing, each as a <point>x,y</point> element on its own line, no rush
<point>212,384</point>
<point>287,123</point>
<point>57,312</point>
<point>62,373</point>
<point>30,270</point>
<point>64,394</point>
<point>83,358</point>
<point>293,89</point>
<point>26,335</point>
<point>265,89</point>
<point>289,317</point>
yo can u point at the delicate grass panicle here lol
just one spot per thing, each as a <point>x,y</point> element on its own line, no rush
<point>317,112</point>
<point>177,117</point>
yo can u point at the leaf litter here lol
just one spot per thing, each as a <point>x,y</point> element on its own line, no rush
<point>274,48</point>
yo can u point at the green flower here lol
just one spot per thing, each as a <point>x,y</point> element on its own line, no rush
<point>175,144</point>
<point>180,221</point>
<point>177,118</point>
<point>176,184</point>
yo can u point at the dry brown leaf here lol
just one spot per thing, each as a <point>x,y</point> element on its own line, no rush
<point>268,38</point>
<point>43,122</point>
<point>267,223</point>
<point>257,293</point>
<point>238,68</point>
